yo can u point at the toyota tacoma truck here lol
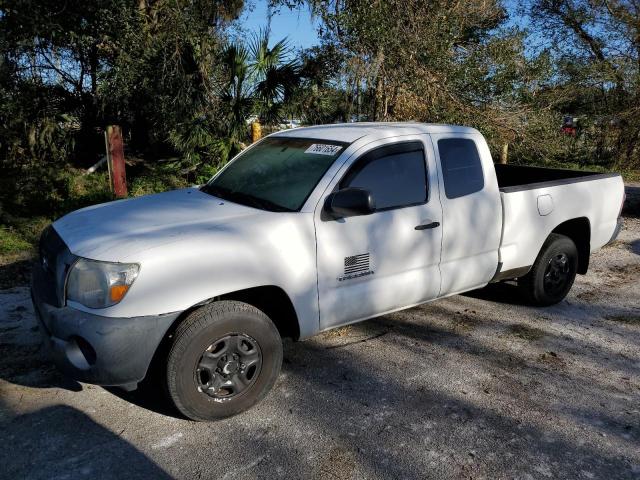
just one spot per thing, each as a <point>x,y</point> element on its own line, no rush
<point>304,231</point>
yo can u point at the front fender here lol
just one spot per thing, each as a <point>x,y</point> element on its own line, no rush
<point>228,258</point>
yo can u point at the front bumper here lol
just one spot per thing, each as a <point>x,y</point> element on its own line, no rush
<point>96,349</point>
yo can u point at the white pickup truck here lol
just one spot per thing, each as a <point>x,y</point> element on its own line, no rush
<point>304,231</point>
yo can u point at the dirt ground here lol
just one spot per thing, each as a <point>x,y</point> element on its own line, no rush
<point>474,386</point>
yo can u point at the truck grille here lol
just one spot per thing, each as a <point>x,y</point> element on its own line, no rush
<point>53,264</point>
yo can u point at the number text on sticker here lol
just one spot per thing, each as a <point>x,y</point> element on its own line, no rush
<point>323,149</point>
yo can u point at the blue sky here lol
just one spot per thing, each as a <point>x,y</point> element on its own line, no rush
<point>302,30</point>
<point>297,24</point>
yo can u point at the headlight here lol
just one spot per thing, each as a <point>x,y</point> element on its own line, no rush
<point>97,284</point>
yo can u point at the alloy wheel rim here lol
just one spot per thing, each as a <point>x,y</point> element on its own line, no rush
<point>557,274</point>
<point>228,367</point>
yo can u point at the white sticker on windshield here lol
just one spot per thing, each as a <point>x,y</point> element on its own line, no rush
<point>323,149</point>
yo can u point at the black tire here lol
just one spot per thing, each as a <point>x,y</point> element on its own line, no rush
<point>200,392</point>
<point>553,272</point>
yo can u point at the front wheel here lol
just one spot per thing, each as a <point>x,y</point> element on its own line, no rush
<point>224,359</point>
<point>553,272</point>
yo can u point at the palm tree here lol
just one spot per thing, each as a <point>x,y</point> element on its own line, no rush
<point>237,98</point>
<point>259,82</point>
<point>275,77</point>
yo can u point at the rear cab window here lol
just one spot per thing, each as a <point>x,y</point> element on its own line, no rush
<point>461,167</point>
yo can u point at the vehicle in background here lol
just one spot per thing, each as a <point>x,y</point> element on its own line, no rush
<point>291,123</point>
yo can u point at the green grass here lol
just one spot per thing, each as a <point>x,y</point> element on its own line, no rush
<point>155,183</point>
<point>18,241</point>
<point>20,234</point>
<point>631,176</point>
<point>12,242</point>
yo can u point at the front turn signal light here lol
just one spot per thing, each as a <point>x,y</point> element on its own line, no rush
<point>118,292</point>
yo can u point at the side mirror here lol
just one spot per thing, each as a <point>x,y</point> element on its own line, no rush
<point>349,202</point>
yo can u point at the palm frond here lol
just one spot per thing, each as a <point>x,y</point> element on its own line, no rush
<point>259,79</point>
<point>263,57</point>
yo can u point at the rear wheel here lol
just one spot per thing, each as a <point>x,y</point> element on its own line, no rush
<point>553,272</point>
<point>225,358</point>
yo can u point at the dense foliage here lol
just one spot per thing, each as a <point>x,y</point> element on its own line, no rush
<point>475,63</point>
<point>185,89</point>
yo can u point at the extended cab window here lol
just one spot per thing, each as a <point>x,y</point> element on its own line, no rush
<point>277,174</point>
<point>461,167</point>
<point>395,175</point>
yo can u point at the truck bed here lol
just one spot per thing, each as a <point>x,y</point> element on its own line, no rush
<point>536,200</point>
<point>514,178</point>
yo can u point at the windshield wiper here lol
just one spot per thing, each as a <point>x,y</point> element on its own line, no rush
<point>215,191</point>
<point>258,202</point>
<point>244,198</point>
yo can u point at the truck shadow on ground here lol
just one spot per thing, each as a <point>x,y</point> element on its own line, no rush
<point>631,206</point>
<point>63,442</point>
<point>372,407</point>
<point>15,273</point>
<point>29,366</point>
<point>367,408</point>
<point>23,359</point>
<point>501,292</point>
<point>373,410</point>
<point>150,395</point>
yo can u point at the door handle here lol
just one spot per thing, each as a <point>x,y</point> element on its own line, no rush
<point>426,226</point>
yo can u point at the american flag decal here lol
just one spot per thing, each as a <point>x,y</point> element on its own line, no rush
<point>356,263</point>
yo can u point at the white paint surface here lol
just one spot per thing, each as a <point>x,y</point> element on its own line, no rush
<point>193,247</point>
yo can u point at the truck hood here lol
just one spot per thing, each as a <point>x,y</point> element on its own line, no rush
<point>118,230</point>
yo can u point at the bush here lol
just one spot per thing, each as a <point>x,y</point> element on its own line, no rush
<point>155,183</point>
<point>68,190</point>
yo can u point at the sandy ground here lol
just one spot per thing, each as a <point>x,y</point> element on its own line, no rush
<point>473,386</point>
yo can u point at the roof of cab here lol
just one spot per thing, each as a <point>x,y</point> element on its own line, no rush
<point>350,132</point>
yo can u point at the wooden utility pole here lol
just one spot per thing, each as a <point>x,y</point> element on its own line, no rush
<point>115,160</point>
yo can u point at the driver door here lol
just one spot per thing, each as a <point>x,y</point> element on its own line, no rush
<point>387,260</point>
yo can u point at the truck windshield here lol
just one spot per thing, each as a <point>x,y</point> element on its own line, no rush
<point>277,174</point>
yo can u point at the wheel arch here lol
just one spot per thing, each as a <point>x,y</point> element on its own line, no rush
<point>579,231</point>
<point>270,299</point>
<point>274,302</point>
